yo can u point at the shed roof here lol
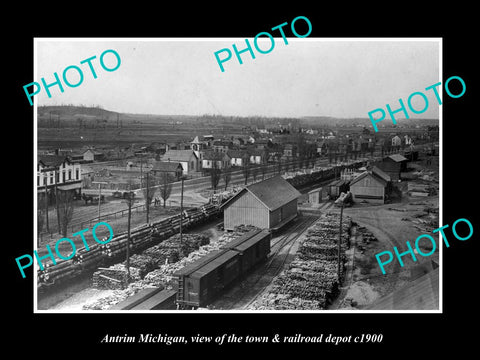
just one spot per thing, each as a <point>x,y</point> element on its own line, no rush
<point>273,192</point>
<point>376,173</point>
<point>397,157</point>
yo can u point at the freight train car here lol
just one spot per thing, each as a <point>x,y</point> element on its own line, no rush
<point>200,282</point>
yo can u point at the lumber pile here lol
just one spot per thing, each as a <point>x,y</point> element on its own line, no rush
<point>163,276</point>
<point>311,281</point>
<point>141,238</point>
<point>114,277</point>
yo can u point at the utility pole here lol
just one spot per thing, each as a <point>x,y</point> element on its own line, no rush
<point>56,198</point>
<point>181,213</point>
<point>340,240</point>
<point>129,202</point>
<point>99,194</point>
<point>46,200</point>
<point>147,203</point>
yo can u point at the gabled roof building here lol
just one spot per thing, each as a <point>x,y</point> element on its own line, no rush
<point>268,204</point>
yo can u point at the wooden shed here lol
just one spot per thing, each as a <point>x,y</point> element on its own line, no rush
<point>268,204</point>
<point>336,187</point>
<point>315,196</point>
<point>371,186</point>
<point>393,165</point>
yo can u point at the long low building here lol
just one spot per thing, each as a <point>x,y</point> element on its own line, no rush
<point>267,204</point>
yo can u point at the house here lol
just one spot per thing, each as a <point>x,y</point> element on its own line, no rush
<point>256,156</point>
<point>174,169</point>
<point>393,165</point>
<point>222,145</point>
<point>60,171</point>
<point>290,150</point>
<point>92,155</point>
<point>187,158</point>
<point>396,141</point>
<point>372,186</point>
<point>267,204</point>
<point>262,144</point>
<point>215,159</point>
<point>238,157</point>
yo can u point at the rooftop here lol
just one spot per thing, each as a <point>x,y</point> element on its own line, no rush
<point>273,192</point>
<point>178,155</point>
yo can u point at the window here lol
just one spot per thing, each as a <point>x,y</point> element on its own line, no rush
<point>69,174</point>
<point>38,180</point>
<point>77,174</point>
<point>45,179</point>
<point>63,176</point>
<point>51,178</point>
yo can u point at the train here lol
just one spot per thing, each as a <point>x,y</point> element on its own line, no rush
<point>201,282</point>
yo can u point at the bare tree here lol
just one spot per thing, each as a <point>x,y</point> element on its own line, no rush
<point>255,170</point>
<point>165,186</point>
<point>148,190</point>
<point>65,209</point>
<point>215,174</point>
<point>264,169</point>
<point>227,175</point>
<point>246,171</point>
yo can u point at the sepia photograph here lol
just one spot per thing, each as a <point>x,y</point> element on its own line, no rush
<point>233,175</point>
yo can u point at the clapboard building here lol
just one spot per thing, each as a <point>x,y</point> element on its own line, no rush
<point>372,186</point>
<point>268,204</point>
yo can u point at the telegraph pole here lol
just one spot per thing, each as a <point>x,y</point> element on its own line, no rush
<point>129,203</point>
<point>340,241</point>
<point>181,213</point>
<point>99,194</point>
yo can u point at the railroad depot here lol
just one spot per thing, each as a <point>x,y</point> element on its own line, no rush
<point>268,204</point>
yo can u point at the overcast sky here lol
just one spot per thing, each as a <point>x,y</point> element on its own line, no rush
<point>307,77</point>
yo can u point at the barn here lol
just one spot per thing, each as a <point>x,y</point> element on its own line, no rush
<point>371,186</point>
<point>268,204</point>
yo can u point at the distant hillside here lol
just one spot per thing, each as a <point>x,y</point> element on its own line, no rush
<point>70,111</point>
<point>332,122</point>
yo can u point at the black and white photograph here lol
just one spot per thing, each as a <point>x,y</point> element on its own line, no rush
<point>204,180</point>
<point>166,182</point>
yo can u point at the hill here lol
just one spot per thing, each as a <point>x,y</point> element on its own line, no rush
<point>73,112</point>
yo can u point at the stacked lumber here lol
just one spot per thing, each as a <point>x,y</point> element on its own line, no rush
<point>311,281</point>
<point>141,238</point>
<point>117,297</point>
<point>114,277</point>
<point>163,276</point>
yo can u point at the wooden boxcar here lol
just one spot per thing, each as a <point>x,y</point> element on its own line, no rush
<point>200,282</point>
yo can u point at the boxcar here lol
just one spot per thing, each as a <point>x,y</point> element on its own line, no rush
<point>199,283</point>
<point>253,250</point>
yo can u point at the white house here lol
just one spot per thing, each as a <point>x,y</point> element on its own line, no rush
<point>396,141</point>
<point>58,170</point>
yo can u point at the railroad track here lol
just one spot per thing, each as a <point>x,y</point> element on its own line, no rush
<point>276,260</point>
